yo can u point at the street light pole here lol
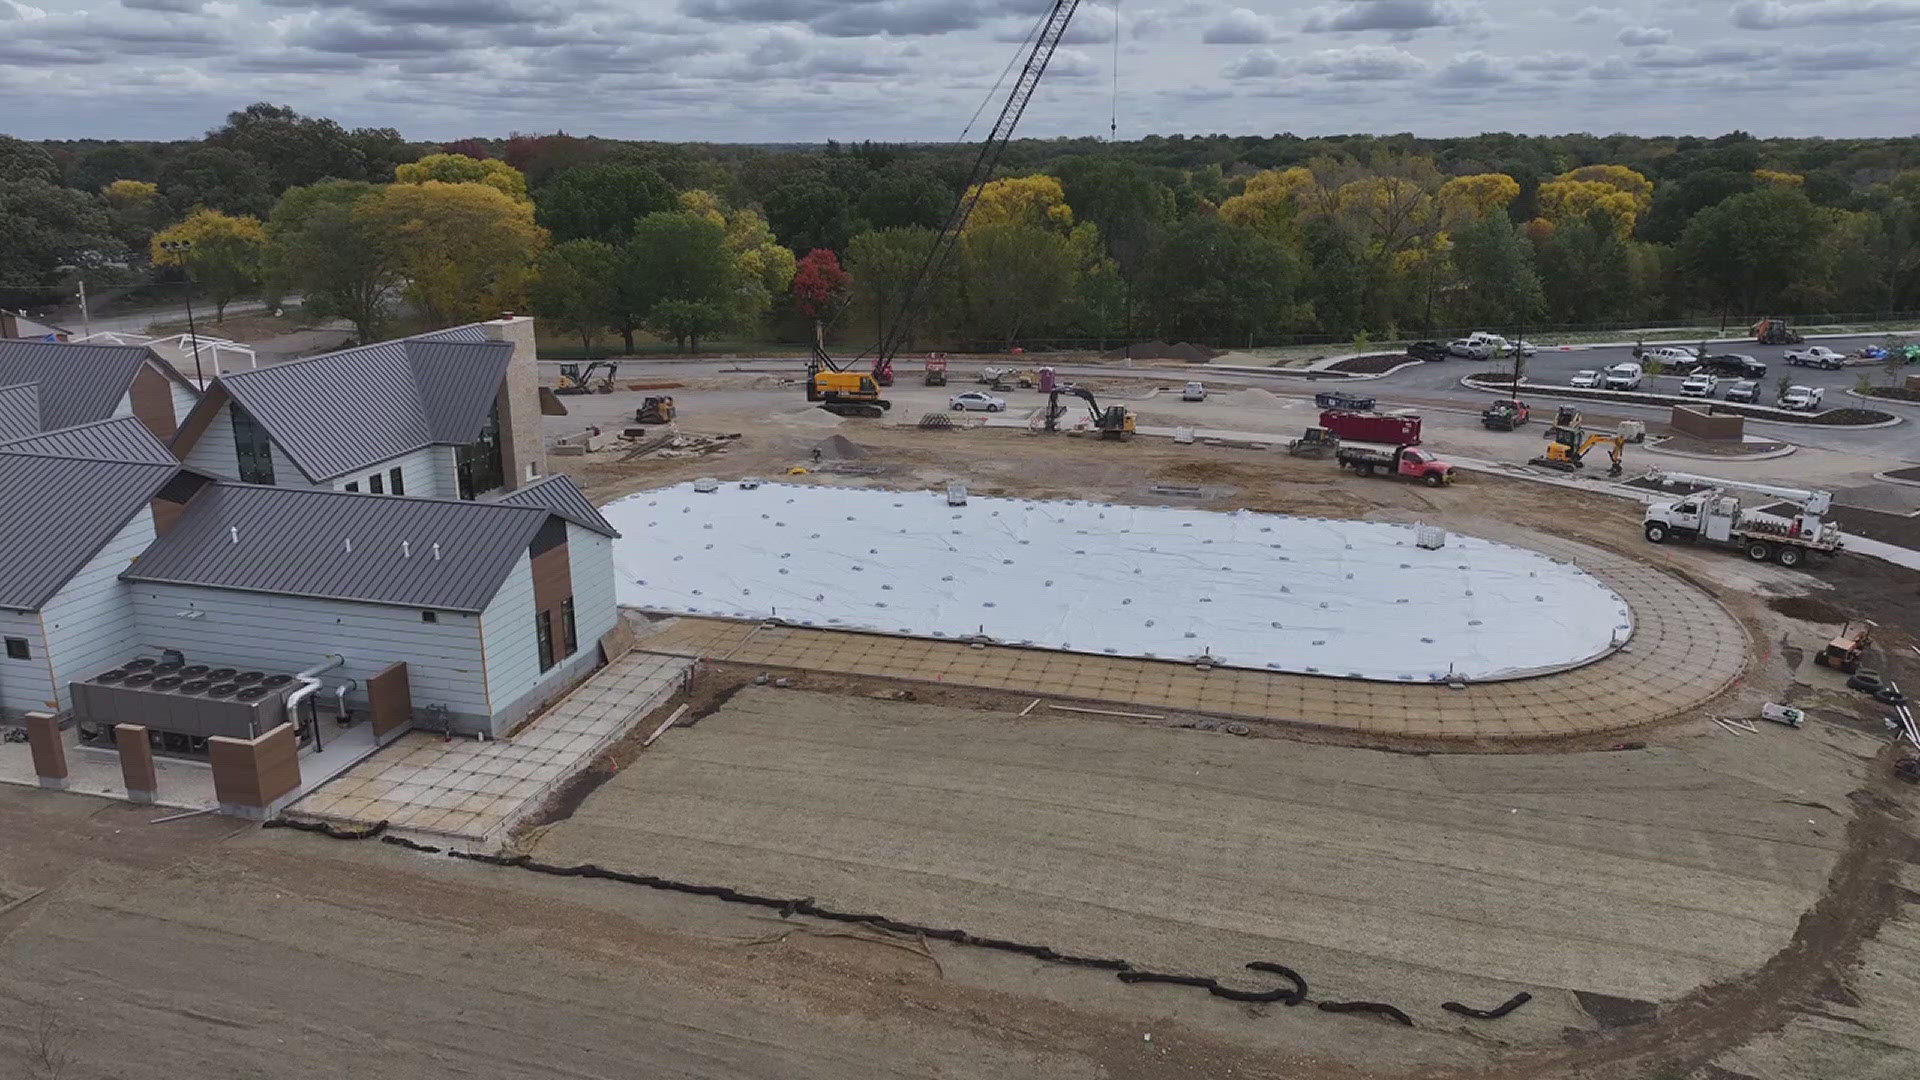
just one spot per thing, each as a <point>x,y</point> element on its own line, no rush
<point>184,248</point>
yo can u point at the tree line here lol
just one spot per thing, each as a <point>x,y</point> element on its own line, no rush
<point>1216,239</point>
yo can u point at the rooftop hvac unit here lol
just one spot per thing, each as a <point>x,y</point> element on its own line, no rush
<point>197,700</point>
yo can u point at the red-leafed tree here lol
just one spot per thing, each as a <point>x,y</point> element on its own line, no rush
<point>819,284</point>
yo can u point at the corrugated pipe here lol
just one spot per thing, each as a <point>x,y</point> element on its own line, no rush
<point>309,685</point>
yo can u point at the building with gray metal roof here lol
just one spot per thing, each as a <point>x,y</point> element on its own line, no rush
<point>56,513</point>
<point>559,494</point>
<point>123,438</point>
<point>82,383</point>
<point>19,411</point>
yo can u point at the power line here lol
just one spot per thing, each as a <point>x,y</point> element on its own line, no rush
<point>1113,125</point>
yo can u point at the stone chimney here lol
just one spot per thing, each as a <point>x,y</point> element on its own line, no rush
<point>523,438</point>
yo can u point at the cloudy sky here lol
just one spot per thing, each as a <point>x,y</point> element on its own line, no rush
<point>808,70</point>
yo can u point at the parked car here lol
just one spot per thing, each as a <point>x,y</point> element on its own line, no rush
<point>1818,356</point>
<point>1736,365</point>
<point>1746,390</point>
<point>1586,377</point>
<point>1428,350</point>
<point>1195,391</point>
<point>975,401</point>
<point>1623,377</point>
<point>1500,345</point>
<point>1676,359</point>
<point>1700,384</point>
<point>1801,398</point>
<point>1471,349</point>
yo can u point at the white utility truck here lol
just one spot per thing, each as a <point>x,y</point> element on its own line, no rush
<point>1715,515</point>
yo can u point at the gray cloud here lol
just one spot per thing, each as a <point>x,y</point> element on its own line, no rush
<point>1240,27</point>
<point>1592,14</point>
<point>182,7</point>
<point>1258,64</point>
<point>1400,15</point>
<point>1364,63</point>
<point>1643,35</point>
<point>339,34</point>
<point>450,13</point>
<point>1772,15</point>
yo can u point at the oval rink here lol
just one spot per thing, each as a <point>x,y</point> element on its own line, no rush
<point>1306,595</point>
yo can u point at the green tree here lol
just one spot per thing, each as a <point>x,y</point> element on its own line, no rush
<point>1015,277</point>
<point>1501,287</point>
<point>1586,270</point>
<point>466,251</point>
<point>294,149</point>
<point>216,178</point>
<point>1208,281</point>
<point>1742,255</point>
<point>319,242</point>
<point>98,166</point>
<point>601,202</point>
<point>811,213</point>
<point>225,259</point>
<point>44,226</point>
<point>689,279</point>
<point>883,265</point>
<point>573,288</point>
<point>905,198</point>
<point>1675,203</point>
<point>20,160</point>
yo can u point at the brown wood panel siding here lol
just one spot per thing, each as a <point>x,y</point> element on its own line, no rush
<point>392,700</point>
<point>552,582</point>
<point>136,757</point>
<point>152,396</point>
<point>49,752</point>
<point>255,772</point>
<point>201,418</point>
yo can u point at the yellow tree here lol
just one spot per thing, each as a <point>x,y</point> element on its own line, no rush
<point>1783,179</point>
<point>461,169</point>
<point>466,251</point>
<point>765,265</point>
<point>1034,201</point>
<point>130,194</point>
<point>223,257</point>
<point>1466,199</point>
<point>1270,204</point>
<point>1623,194</point>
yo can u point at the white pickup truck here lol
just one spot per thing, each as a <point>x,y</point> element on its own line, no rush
<point>1818,356</point>
<point>1801,398</point>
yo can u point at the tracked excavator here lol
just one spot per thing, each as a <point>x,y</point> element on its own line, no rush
<point>1112,422</point>
<point>1570,445</point>
<point>857,393</point>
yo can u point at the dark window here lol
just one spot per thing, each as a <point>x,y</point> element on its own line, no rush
<point>355,486</point>
<point>477,465</point>
<point>396,483</point>
<point>543,632</point>
<point>251,447</point>
<point>569,634</point>
<point>181,488</point>
<point>17,649</point>
<point>429,616</point>
<point>377,484</point>
<point>550,536</point>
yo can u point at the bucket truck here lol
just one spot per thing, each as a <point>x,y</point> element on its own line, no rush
<point>1715,515</point>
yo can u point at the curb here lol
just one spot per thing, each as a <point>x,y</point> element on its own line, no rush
<point>1889,478</point>
<point>1882,400</point>
<point>1769,455</point>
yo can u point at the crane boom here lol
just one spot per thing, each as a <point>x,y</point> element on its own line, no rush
<point>1052,30</point>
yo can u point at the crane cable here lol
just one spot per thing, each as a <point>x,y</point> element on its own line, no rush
<point>1113,124</point>
<point>1025,44</point>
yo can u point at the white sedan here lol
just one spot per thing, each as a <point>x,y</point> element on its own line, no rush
<point>975,401</point>
<point>1587,378</point>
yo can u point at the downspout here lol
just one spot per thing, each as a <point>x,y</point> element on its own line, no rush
<point>309,685</point>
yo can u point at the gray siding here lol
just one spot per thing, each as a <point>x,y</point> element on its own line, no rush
<point>25,685</point>
<point>89,622</point>
<point>214,455</point>
<point>595,611</point>
<point>184,399</point>
<point>513,655</point>
<point>420,471</point>
<point>280,633</point>
<point>514,679</point>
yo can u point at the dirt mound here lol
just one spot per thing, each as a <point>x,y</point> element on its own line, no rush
<point>1810,608</point>
<point>1160,350</point>
<point>841,448</point>
<point>1253,395</point>
<point>805,416</point>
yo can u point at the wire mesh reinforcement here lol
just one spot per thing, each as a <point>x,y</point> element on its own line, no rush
<point>1295,993</point>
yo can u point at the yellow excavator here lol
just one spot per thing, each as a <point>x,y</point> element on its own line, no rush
<point>575,380</point>
<point>1568,450</point>
<point>844,393</point>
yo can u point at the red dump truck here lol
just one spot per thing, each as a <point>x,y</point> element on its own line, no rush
<point>1401,427</point>
<point>1367,458</point>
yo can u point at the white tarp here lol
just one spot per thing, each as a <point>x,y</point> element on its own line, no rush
<point>1252,590</point>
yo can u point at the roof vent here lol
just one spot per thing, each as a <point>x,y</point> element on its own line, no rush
<point>436,552</point>
<point>406,549</point>
<point>349,544</point>
<point>233,533</point>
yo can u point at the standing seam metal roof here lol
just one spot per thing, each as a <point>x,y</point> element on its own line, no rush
<point>124,438</point>
<point>343,546</point>
<point>57,513</point>
<point>19,411</point>
<point>78,383</point>
<point>340,412</point>
<point>561,495</point>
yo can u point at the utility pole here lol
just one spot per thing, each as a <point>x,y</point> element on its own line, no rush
<point>86,322</point>
<point>184,248</point>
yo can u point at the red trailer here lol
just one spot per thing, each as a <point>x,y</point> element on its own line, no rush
<point>1401,427</point>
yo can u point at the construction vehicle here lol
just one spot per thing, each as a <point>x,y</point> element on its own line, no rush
<point>1715,515</point>
<point>574,380</point>
<point>1408,461</point>
<point>654,410</point>
<point>1775,332</point>
<point>1570,446</point>
<point>936,371</point>
<point>1317,442</point>
<point>1844,652</point>
<point>837,389</point>
<point>1505,414</point>
<point>1112,422</point>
